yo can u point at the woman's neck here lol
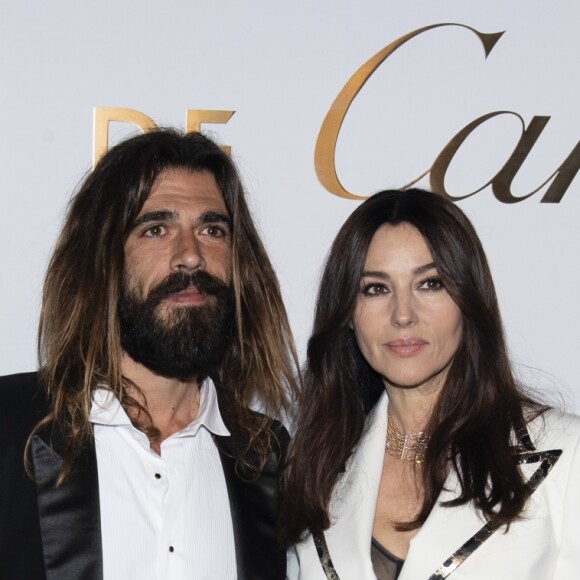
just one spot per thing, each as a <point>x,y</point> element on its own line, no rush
<point>411,408</point>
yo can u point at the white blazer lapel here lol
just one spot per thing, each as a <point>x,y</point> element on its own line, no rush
<point>354,502</point>
<point>354,505</point>
<point>445,530</point>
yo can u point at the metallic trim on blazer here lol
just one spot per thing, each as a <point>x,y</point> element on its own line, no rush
<point>548,460</point>
<point>324,556</point>
<point>524,452</point>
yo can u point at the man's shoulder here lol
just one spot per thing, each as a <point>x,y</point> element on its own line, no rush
<point>280,436</point>
<point>19,387</point>
<point>274,424</point>
<point>22,399</point>
<point>272,441</point>
<point>19,380</point>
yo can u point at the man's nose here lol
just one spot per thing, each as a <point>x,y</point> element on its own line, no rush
<point>187,253</point>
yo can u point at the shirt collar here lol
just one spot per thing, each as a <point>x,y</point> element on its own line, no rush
<point>106,410</point>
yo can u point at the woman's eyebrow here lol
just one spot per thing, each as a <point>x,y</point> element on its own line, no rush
<point>375,274</point>
<point>425,268</point>
<point>385,276</point>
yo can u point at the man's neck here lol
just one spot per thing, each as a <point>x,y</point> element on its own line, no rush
<point>171,404</point>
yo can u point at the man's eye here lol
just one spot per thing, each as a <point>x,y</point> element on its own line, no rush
<point>216,231</point>
<point>154,231</point>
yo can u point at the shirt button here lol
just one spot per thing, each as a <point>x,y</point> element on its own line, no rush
<point>157,476</point>
<point>171,549</point>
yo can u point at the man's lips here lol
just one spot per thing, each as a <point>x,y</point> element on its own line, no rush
<point>190,295</point>
<point>406,346</point>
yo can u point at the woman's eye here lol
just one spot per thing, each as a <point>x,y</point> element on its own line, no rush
<point>374,289</point>
<point>432,284</point>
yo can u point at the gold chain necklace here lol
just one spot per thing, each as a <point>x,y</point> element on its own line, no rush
<point>405,447</point>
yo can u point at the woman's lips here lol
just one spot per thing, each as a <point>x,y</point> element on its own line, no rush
<point>406,346</point>
<point>190,295</point>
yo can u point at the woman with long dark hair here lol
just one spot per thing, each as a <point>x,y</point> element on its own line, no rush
<point>417,455</point>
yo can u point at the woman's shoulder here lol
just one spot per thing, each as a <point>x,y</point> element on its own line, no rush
<point>555,428</point>
<point>556,437</point>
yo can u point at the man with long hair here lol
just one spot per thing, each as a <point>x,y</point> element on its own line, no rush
<point>133,452</point>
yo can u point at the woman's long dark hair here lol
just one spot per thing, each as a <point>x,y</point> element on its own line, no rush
<point>480,402</point>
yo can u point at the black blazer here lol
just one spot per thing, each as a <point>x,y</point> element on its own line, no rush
<point>55,534</point>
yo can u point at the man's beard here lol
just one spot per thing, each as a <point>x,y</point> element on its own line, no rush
<point>186,341</point>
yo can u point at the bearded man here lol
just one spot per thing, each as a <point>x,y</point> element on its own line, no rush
<point>133,452</point>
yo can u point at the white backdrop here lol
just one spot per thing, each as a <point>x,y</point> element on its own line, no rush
<point>280,66</point>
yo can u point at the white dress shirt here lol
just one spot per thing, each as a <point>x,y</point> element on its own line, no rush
<point>163,517</point>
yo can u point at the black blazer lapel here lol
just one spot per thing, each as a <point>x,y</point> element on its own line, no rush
<point>22,405</point>
<point>254,504</point>
<point>69,515</point>
<point>236,510</point>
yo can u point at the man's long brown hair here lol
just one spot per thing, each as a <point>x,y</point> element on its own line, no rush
<point>79,340</point>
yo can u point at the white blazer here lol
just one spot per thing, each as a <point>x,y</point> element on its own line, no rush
<point>545,545</point>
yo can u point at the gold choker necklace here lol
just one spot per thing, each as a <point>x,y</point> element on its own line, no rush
<point>405,447</point>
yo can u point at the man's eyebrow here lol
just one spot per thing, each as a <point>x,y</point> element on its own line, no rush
<point>170,215</point>
<point>210,217</point>
<point>153,216</point>
<point>385,276</point>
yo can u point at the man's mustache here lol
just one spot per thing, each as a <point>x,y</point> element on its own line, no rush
<point>204,282</point>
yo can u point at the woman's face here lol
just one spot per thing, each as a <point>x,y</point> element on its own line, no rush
<point>406,325</point>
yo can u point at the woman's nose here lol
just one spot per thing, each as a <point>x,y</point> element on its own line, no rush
<point>404,312</point>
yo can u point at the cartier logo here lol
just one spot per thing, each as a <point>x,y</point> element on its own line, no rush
<point>324,155</point>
